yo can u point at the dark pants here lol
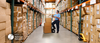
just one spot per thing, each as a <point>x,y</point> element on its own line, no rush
<point>57,25</point>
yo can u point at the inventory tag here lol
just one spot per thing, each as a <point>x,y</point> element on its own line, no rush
<point>97,12</point>
<point>87,25</point>
<point>87,17</point>
<point>97,7</point>
<point>84,4</point>
<point>76,7</point>
<point>92,2</point>
<point>98,26</point>
<point>99,35</point>
<point>98,21</point>
<point>91,9</point>
<point>91,39</point>
<point>91,29</point>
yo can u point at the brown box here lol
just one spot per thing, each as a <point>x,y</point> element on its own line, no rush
<point>92,10</point>
<point>2,33</point>
<point>97,11</point>
<point>8,6</point>
<point>97,21</point>
<point>92,29</point>
<point>2,18</point>
<point>92,38</point>
<point>92,20</point>
<point>3,3</point>
<point>8,30</point>
<point>47,29</point>
<point>2,26</point>
<point>2,11</point>
<point>97,27</point>
<point>87,26</point>
<point>8,11</point>
<point>48,20</point>
<point>2,39</point>
<point>17,14</point>
<point>17,8</point>
<point>87,19</point>
<point>97,36</point>
<point>87,35</point>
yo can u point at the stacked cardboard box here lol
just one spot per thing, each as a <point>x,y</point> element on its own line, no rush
<point>35,20</point>
<point>75,19</point>
<point>3,20</point>
<point>47,25</point>
<point>30,21</point>
<point>5,23</point>
<point>68,20</point>
<point>8,22</point>
<point>24,22</point>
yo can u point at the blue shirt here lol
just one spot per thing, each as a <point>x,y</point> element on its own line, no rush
<point>57,15</point>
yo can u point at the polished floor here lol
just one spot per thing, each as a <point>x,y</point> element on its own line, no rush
<point>64,36</point>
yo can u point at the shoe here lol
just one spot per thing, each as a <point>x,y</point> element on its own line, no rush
<point>57,32</point>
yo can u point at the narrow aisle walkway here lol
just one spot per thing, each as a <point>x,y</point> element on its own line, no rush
<point>64,36</point>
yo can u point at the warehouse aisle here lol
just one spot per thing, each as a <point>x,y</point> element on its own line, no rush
<point>64,36</point>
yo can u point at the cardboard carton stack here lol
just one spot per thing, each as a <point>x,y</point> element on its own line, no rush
<point>68,20</point>
<point>47,25</point>
<point>4,20</point>
<point>24,22</point>
<point>96,22</point>
<point>8,22</point>
<point>30,21</point>
<point>35,20</point>
<point>75,19</point>
<point>18,26</point>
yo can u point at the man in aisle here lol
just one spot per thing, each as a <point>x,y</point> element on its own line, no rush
<point>57,20</point>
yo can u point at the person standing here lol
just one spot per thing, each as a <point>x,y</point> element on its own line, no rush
<point>57,20</point>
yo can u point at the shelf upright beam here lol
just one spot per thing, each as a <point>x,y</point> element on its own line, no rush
<point>33,16</point>
<point>12,18</point>
<point>71,17</point>
<point>80,17</point>
<point>66,19</point>
<point>36,19</point>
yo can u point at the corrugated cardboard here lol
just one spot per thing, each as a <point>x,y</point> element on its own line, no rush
<point>2,11</point>
<point>3,3</point>
<point>8,12</point>
<point>8,23</point>
<point>2,26</point>
<point>97,36</point>
<point>83,11</point>
<point>17,8</point>
<point>47,29</point>
<point>87,18</point>
<point>97,11</point>
<point>92,10</point>
<point>2,39</point>
<point>47,24</point>
<point>98,27</point>
<point>2,18</point>
<point>48,20</point>
<point>8,30</point>
<point>87,35</point>
<point>2,33</point>
<point>97,21</point>
<point>92,38</point>
<point>8,6</point>
<point>92,20</point>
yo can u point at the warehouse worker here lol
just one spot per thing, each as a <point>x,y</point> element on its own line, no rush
<point>57,19</point>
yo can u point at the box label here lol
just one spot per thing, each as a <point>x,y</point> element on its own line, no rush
<point>98,21</point>
<point>99,35</point>
<point>87,17</point>
<point>98,26</point>
<point>87,25</point>
<point>97,7</point>
<point>97,12</point>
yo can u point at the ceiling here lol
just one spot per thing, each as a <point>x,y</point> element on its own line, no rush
<point>46,1</point>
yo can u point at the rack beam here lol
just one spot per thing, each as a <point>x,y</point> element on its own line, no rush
<point>12,18</point>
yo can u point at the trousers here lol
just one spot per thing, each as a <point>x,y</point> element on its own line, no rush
<point>57,25</point>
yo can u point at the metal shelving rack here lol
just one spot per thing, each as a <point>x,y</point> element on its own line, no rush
<point>12,13</point>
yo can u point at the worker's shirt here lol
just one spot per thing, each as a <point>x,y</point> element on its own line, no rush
<point>57,15</point>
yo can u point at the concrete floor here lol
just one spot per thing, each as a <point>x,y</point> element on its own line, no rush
<point>64,36</point>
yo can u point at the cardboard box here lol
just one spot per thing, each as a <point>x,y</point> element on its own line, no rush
<point>87,26</point>
<point>97,21</point>
<point>97,11</point>
<point>92,29</point>
<point>2,18</point>
<point>8,11</point>
<point>83,11</point>
<point>92,20</point>
<point>47,29</point>
<point>97,36</point>
<point>48,20</point>
<point>2,39</point>
<point>2,11</point>
<point>8,23</point>
<point>92,10</point>
<point>87,9</point>
<point>98,27</point>
<point>87,35</point>
<point>2,33</point>
<point>92,38</point>
<point>2,26</point>
<point>3,3</point>
<point>17,14</point>
<point>8,30</point>
<point>87,18</point>
<point>8,6</point>
<point>17,8</point>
